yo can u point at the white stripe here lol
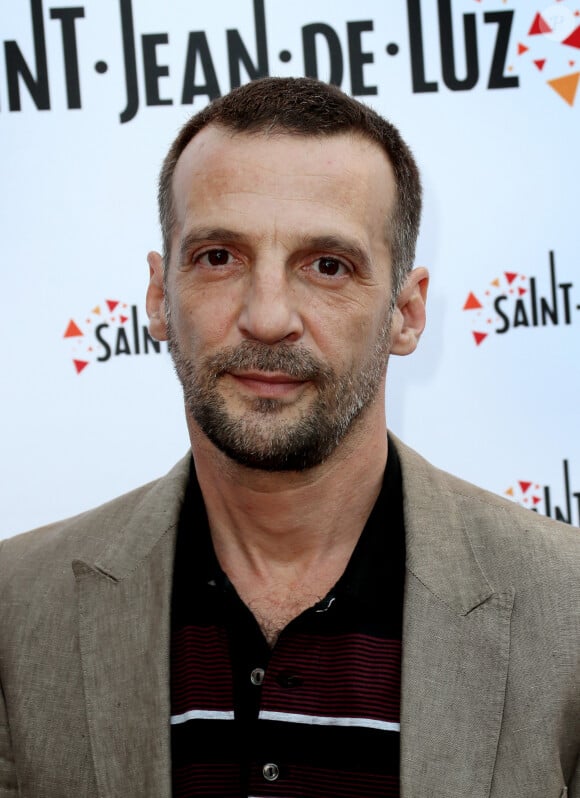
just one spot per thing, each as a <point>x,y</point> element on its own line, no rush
<point>202,714</point>
<point>320,720</point>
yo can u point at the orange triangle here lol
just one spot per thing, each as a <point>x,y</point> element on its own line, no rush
<point>72,330</point>
<point>522,49</point>
<point>472,302</point>
<point>525,486</point>
<point>510,276</point>
<point>573,39</point>
<point>566,86</point>
<point>495,282</point>
<point>539,25</point>
<point>479,337</point>
<point>540,63</point>
<point>112,304</point>
<point>80,365</point>
<point>510,491</point>
<point>96,310</point>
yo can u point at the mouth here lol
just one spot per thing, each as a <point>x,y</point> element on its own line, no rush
<point>268,385</point>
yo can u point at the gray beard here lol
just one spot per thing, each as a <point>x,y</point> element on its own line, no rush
<point>260,439</point>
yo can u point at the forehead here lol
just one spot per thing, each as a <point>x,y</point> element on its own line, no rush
<point>344,175</point>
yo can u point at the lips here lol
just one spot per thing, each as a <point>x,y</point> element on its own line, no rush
<point>265,376</point>
<point>267,384</point>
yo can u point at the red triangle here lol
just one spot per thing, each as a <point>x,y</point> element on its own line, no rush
<point>72,330</point>
<point>539,25</point>
<point>525,486</point>
<point>112,304</point>
<point>521,291</point>
<point>80,365</point>
<point>536,499</point>
<point>472,302</point>
<point>479,337</point>
<point>123,319</point>
<point>522,49</point>
<point>540,63</point>
<point>510,276</point>
<point>573,39</point>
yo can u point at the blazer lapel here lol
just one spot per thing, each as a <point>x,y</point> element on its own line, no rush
<point>124,601</point>
<point>456,639</point>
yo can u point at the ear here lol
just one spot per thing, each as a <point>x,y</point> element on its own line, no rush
<point>409,314</point>
<point>155,301</point>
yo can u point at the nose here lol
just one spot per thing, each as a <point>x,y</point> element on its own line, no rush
<point>270,310</point>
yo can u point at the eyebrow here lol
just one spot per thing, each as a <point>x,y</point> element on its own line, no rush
<point>327,243</point>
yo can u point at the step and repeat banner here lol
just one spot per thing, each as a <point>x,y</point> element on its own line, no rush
<point>92,92</point>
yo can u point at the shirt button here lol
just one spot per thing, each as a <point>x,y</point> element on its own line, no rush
<point>286,679</point>
<point>270,771</point>
<point>257,676</point>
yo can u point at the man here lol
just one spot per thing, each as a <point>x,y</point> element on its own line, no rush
<point>236,627</point>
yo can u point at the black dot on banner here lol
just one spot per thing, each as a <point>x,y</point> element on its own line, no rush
<point>392,48</point>
<point>285,56</point>
<point>101,67</point>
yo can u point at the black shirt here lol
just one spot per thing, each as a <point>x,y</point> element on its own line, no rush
<point>317,715</point>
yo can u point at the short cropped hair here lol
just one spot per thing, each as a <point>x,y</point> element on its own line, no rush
<point>307,107</point>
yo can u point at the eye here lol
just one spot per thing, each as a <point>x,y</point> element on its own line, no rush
<point>330,267</point>
<point>215,257</point>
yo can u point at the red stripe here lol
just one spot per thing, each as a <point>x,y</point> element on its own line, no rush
<point>346,676</point>
<point>201,676</point>
<point>222,780</point>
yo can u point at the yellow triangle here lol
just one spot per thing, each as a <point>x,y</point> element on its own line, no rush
<point>510,491</point>
<point>495,282</point>
<point>96,310</point>
<point>566,86</point>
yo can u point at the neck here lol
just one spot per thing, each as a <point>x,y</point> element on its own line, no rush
<point>285,538</point>
<point>268,522</point>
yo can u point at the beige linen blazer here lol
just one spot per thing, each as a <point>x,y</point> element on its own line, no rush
<point>491,646</point>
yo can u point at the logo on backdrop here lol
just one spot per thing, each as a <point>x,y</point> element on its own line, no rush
<point>539,498</point>
<point>551,47</point>
<point>544,42</point>
<point>110,329</point>
<point>514,300</point>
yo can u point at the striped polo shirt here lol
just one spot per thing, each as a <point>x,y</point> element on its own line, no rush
<point>318,714</point>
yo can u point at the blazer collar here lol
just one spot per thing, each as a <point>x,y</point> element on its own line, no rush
<point>456,637</point>
<point>439,550</point>
<point>124,603</point>
<point>156,515</point>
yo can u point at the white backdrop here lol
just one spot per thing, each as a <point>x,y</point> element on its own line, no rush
<point>485,91</point>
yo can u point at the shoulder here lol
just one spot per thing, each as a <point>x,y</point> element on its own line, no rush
<point>86,535</point>
<point>509,541</point>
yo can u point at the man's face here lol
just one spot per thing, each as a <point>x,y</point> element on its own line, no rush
<point>278,291</point>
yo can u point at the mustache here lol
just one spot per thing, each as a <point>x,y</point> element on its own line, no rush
<point>296,361</point>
